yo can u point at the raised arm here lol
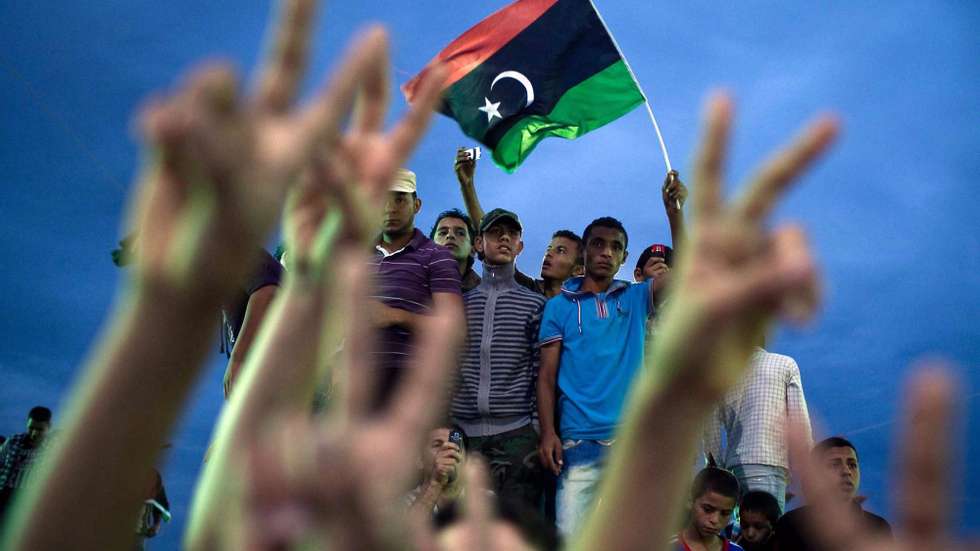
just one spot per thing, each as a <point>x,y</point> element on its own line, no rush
<point>327,211</point>
<point>465,169</point>
<point>218,168</point>
<point>733,277</point>
<point>674,195</point>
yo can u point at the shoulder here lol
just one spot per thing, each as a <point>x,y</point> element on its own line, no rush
<point>788,522</point>
<point>780,359</point>
<point>267,271</point>
<point>877,523</point>
<point>528,296</point>
<point>557,303</point>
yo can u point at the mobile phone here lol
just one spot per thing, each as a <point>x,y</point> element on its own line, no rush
<point>472,153</point>
<point>456,437</point>
<point>658,250</point>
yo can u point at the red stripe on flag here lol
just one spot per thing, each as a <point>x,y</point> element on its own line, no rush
<point>481,41</point>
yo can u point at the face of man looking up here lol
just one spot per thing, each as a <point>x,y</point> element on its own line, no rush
<point>561,259</point>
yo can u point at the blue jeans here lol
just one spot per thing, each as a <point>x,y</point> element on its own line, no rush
<point>578,484</point>
<point>765,478</point>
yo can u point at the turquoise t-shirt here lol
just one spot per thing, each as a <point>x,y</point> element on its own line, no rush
<point>602,338</point>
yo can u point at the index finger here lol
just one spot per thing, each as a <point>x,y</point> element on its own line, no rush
<point>714,145</point>
<point>409,130</point>
<point>283,68</point>
<point>923,498</point>
<point>781,170</point>
<point>372,99</point>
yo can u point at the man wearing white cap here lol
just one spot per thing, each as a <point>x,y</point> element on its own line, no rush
<point>415,277</point>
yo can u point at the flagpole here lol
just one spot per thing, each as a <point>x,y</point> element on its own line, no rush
<point>646,101</point>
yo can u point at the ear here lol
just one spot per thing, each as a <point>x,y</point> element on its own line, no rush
<point>418,205</point>
<point>578,271</point>
<point>519,248</point>
<point>637,275</point>
<point>626,254</point>
<point>478,244</point>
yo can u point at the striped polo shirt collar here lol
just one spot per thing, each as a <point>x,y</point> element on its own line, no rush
<point>417,239</point>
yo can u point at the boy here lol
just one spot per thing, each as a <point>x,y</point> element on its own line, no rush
<point>758,513</point>
<point>713,497</point>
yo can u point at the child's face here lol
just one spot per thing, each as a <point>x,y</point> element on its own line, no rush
<point>756,528</point>
<point>711,513</point>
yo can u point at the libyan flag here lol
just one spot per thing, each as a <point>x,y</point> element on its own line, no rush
<point>534,69</point>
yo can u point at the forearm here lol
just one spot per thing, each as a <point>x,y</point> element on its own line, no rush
<point>546,401</point>
<point>634,514</point>
<point>119,417</point>
<point>472,202</point>
<point>428,499</point>
<point>676,221</point>
<point>279,377</point>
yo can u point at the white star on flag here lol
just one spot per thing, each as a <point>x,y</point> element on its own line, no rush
<point>491,109</point>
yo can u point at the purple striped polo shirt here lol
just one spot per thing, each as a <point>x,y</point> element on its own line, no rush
<point>406,279</point>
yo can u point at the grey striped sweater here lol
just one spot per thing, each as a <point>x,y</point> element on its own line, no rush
<point>498,366</point>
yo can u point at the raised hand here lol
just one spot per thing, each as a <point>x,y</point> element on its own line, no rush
<point>341,481</point>
<point>923,479</point>
<point>464,166</point>
<point>222,162</point>
<point>733,277</point>
<point>328,218</point>
<point>673,193</point>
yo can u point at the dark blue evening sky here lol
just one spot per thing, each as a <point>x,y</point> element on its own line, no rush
<point>891,211</point>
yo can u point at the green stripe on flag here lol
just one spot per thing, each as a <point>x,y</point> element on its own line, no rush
<point>597,100</point>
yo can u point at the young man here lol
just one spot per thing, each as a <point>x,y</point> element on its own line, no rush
<point>494,398</point>
<point>838,460</point>
<point>754,418</point>
<point>454,230</point>
<point>758,513</point>
<point>414,277</point>
<point>19,453</point>
<point>592,344</point>
<point>563,257</point>
<point>442,461</point>
<point>713,497</point>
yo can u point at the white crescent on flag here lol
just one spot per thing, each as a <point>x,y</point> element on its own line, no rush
<point>519,78</point>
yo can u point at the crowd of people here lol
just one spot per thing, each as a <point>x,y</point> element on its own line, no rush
<point>392,388</point>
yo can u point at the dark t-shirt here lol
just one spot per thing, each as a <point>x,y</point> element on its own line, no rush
<point>267,271</point>
<point>793,534</point>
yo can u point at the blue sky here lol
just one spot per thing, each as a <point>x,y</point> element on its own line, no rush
<point>889,210</point>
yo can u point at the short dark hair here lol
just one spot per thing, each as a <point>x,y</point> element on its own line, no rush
<point>606,222</point>
<point>40,414</point>
<point>459,215</point>
<point>713,479</point>
<point>572,236</point>
<point>824,445</point>
<point>761,502</point>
